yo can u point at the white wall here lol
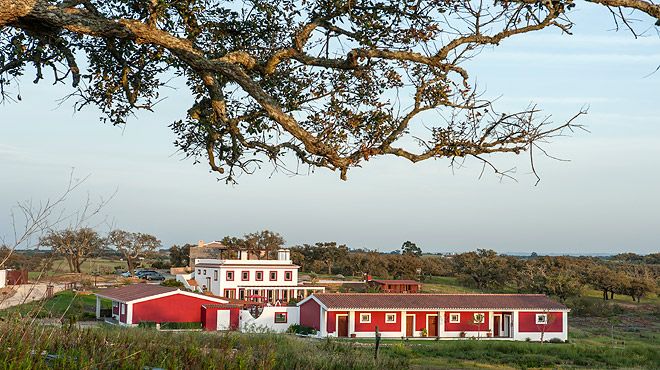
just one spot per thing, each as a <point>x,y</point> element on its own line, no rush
<point>3,278</point>
<point>217,287</point>
<point>266,321</point>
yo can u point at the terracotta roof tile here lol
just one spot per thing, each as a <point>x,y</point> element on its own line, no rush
<point>132,292</point>
<point>437,301</point>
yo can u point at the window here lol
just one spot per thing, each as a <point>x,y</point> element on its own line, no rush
<point>280,317</point>
<point>215,275</point>
<point>204,271</point>
<point>230,275</point>
<point>259,275</point>
<point>390,318</point>
<point>199,271</point>
<point>123,309</point>
<point>273,275</point>
<point>454,318</point>
<point>245,275</point>
<point>365,318</point>
<point>541,318</point>
<point>479,318</point>
<point>288,275</point>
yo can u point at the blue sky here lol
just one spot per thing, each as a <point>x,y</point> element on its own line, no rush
<point>605,200</point>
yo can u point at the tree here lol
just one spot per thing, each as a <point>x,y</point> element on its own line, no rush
<point>263,243</point>
<point>311,78</point>
<point>638,287</point>
<point>411,249</point>
<point>75,245</point>
<point>133,245</point>
<point>180,255</point>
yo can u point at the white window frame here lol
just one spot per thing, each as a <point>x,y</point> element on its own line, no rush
<point>456,315</point>
<point>483,317</point>
<point>387,321</point>
<point>545,319</point>
<point>123,309</point>
<point>362,320</point>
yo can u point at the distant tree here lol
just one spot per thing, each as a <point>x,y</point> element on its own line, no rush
<point>411,249</point>
<point>133,246</point>
<point>76,246</point>
<point>180,255</point>
<point>264,240</point>
<point>639,287</point>
<point>484,268</point>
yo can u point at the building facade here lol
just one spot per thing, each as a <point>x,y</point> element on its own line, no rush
<point>252,279</point>
<point>445,316</point>
<point>133,304</point>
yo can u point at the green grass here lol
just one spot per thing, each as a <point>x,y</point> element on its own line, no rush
<point>27,347</point>
<point>444,284</point>
<point>64,304</point>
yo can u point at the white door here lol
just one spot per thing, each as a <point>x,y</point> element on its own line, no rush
<point>223,320</point>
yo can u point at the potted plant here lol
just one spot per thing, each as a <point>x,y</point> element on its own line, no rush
<point>425,332</point>
<point>353,335</point>
<point>489,333</point>
<point>462,334</point>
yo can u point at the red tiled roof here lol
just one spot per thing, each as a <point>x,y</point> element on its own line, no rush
<point>437,301</point>
<point>132,292</point>
<point>397,282</point>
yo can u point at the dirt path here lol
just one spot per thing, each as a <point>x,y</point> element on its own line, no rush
<point>28,293</point>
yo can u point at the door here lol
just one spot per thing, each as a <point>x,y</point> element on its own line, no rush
<point>410,325</point>
<point>342,326</point>
<point>497,323</point>
<point>433,326</point>
<point>506,332</point>
<point>224,320</point>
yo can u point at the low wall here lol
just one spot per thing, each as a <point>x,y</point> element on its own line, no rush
<point>266,321</point>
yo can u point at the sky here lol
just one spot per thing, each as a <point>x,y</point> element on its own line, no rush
<point>604,200</point>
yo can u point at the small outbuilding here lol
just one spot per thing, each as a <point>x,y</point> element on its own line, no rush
<point>396,286</point>
<point>132,304</point>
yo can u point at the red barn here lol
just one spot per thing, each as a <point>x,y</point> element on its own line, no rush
<point>132,304</point>
<point>445,316</point>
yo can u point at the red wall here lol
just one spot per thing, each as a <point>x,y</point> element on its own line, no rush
<point>210,317</point>
<point>527,322</point>
<point>420,318</point>
<point>332,320</point>
<point>467,321</point>
<point>377,319</point>
<point>173,308</point>
<point>310,312</point>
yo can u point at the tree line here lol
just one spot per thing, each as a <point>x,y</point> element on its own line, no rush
<point>77,245</point>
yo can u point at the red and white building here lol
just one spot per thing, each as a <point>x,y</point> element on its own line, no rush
<point>446,316</point>
<point>245,279</point>
<point>132,304</point>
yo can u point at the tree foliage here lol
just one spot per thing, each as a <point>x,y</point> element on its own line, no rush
<point>75,245</point>
<point>332,83</point>
<point>133,246</point>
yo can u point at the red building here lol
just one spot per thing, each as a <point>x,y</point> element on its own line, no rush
<point>132,304</point>
<point>396,286</point>
<point>450,316</point>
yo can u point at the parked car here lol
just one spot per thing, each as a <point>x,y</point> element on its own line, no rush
<point>126,274</point>
<point>152,275</point>
<point>141,273</point>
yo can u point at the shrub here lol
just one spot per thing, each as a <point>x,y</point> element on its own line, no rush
<point>173,283</point>
<point>161,265</point>
<point>301,329</point>
<point>584,306</point>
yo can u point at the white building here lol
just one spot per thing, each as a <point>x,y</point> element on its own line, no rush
<point>252,279</point>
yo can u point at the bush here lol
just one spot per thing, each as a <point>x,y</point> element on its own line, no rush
<point>161,265</point>
<point>300,329</point>
<point>593,307</point>
<point>180,325</point>
<point>173,283</point>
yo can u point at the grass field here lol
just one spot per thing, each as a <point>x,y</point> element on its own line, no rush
<point>66,304</point>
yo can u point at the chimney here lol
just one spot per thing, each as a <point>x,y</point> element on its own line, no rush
<point>283,254</point>
<point>243,255</point>
<point>200,243</point>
